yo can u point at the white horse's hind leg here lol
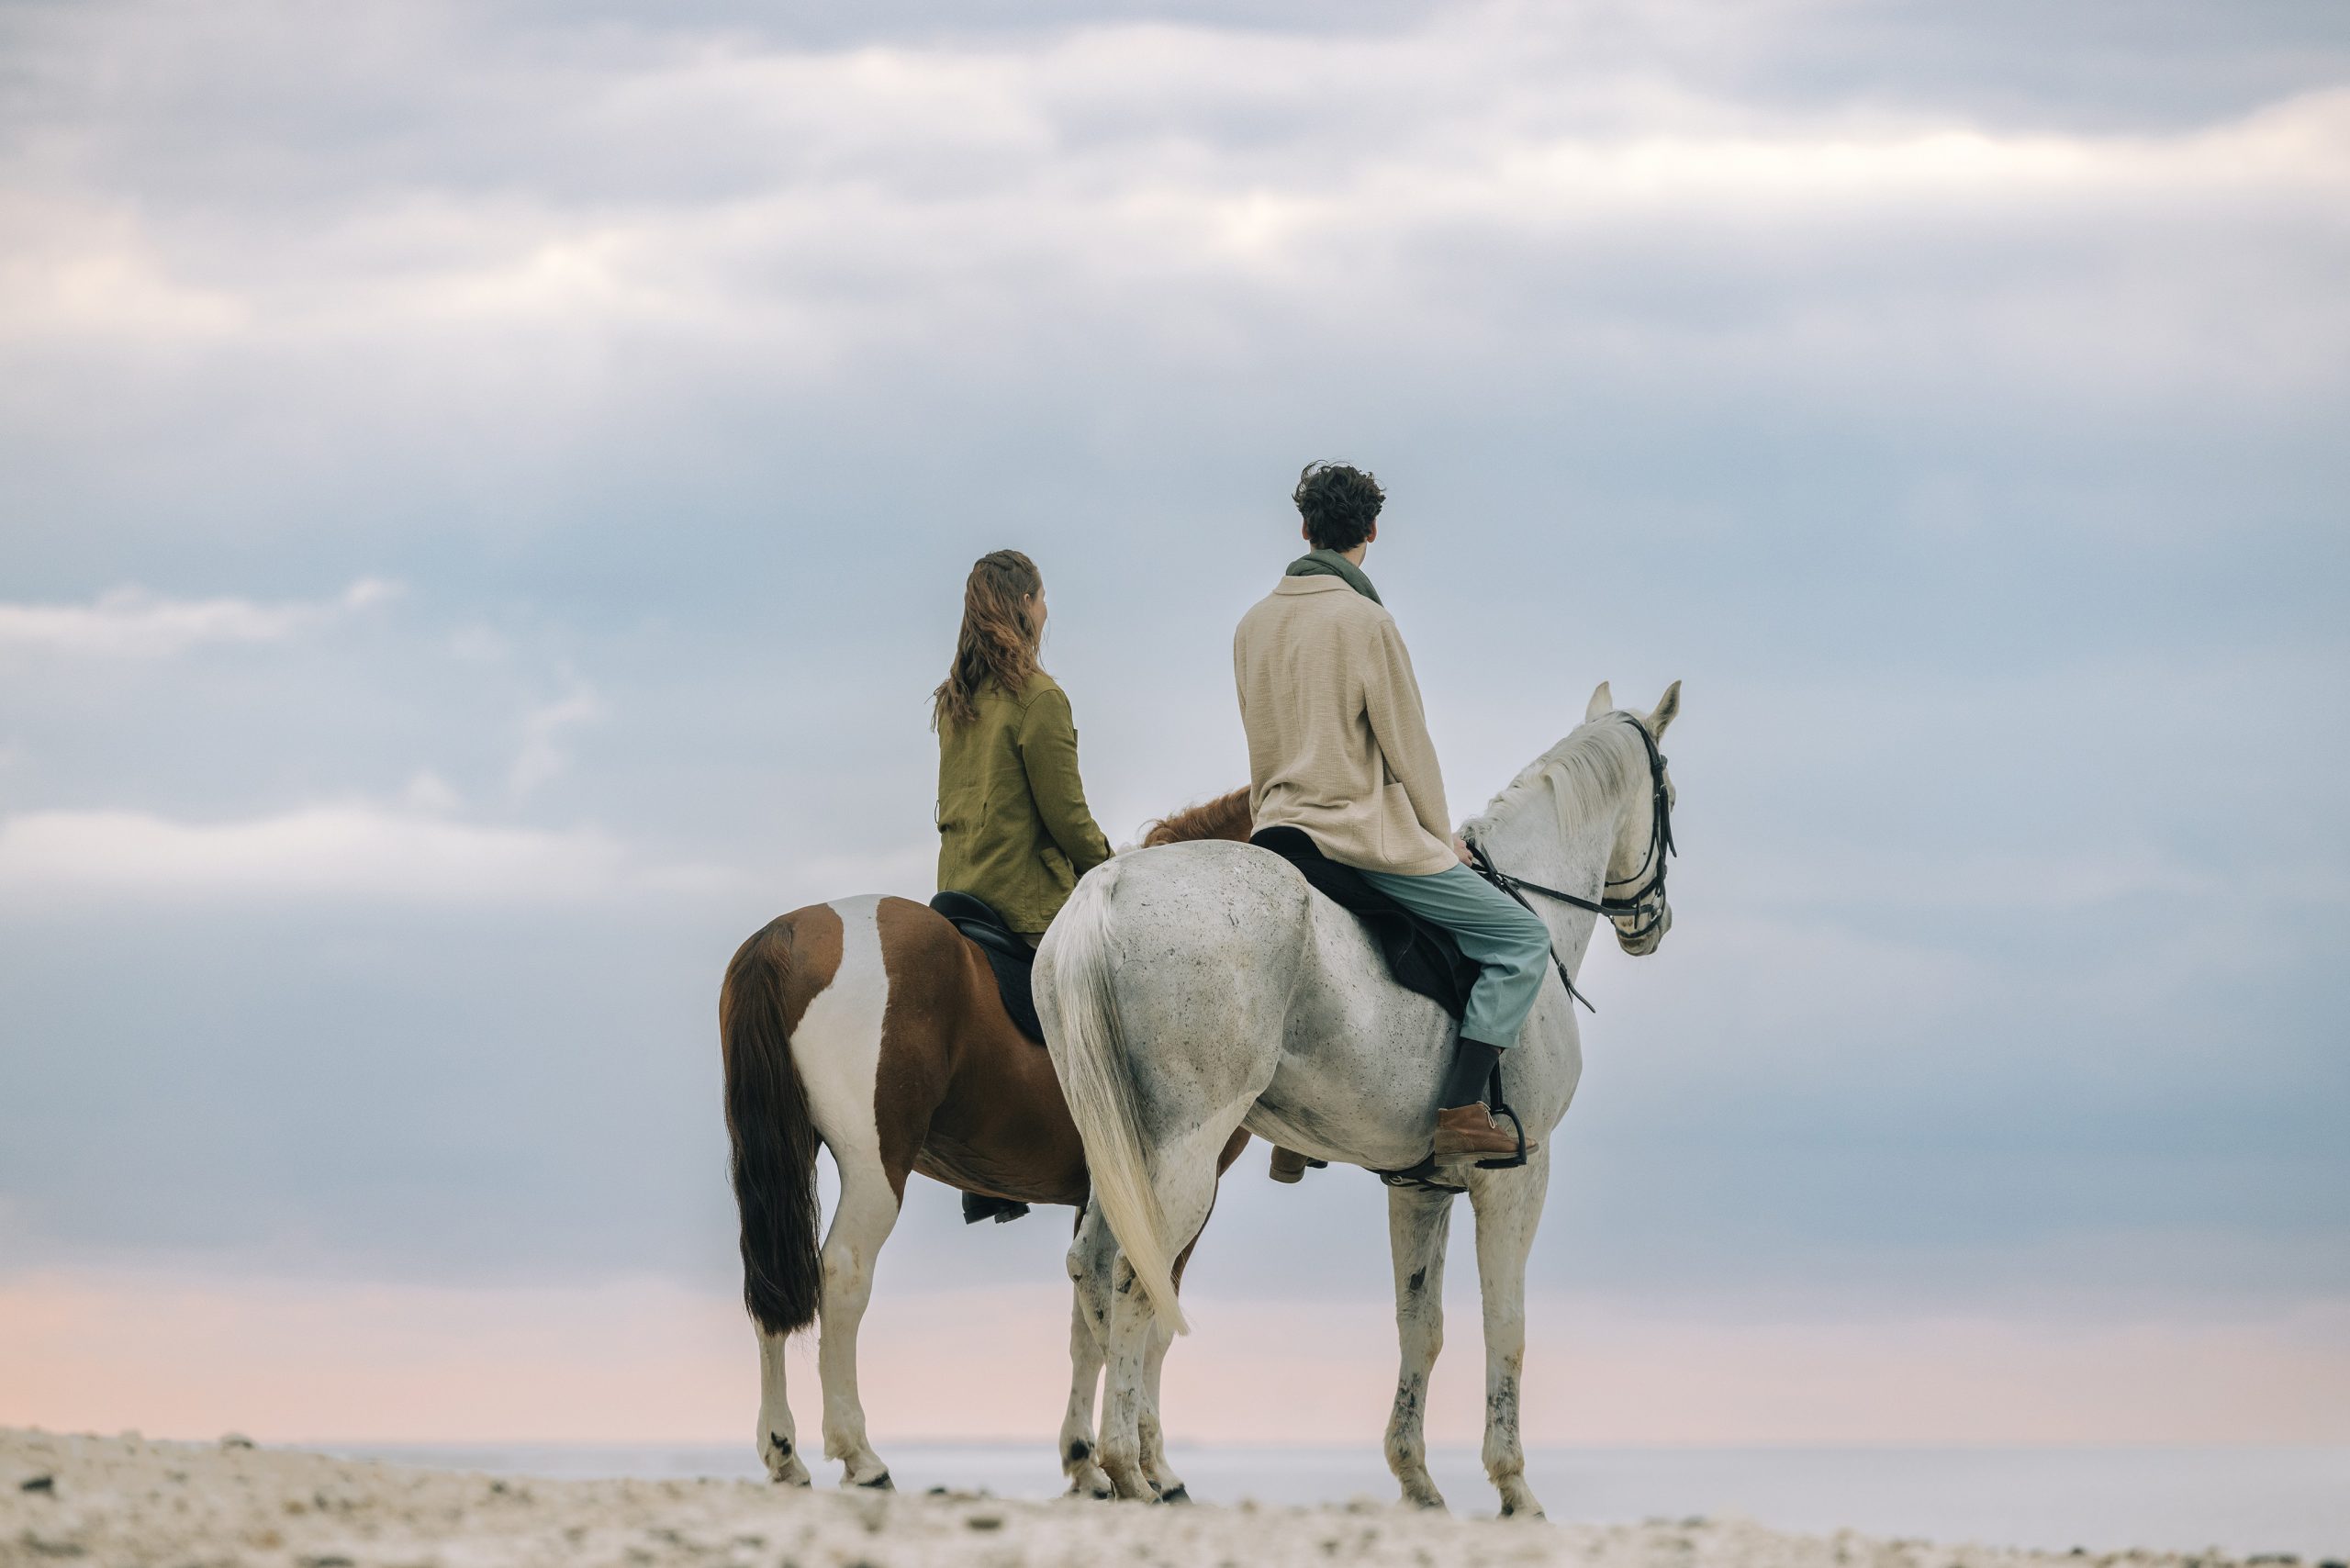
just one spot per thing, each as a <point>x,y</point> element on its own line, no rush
<point>1509,1205</point>
<point>1417,1224</point>
<point>1185,1183</point>
<point>1163,1479</point>
<point>1089,1257</point>
<point>778,1440</point>
<point>1132,1323</point>
<point>869,1209</point>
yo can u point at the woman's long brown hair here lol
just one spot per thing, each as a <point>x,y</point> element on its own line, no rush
<point>998,639</point>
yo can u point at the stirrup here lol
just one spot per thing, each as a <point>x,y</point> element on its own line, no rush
<point>1504,1162</point>
<point>979,1206</point>
<point>1420,1178</point>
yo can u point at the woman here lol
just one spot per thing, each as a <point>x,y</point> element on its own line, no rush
<point>1012,823</point>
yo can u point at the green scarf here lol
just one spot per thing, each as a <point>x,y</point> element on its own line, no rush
<point>1330,564</point>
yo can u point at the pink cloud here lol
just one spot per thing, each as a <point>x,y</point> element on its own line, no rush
<point>650,1362</point>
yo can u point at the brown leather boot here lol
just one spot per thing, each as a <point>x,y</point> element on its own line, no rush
<point>1288,1165</point>
<point>1470,1129</point>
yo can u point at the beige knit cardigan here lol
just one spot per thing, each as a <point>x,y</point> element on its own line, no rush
<point>1338,742</point>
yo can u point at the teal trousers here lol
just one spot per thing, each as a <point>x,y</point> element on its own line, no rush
<point>1497,931</point>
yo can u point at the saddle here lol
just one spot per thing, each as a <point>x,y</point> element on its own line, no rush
<point>1011,959</point>
<point>1421,956</point>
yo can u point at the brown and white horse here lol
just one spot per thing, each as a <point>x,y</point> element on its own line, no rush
<point>874,1028</point>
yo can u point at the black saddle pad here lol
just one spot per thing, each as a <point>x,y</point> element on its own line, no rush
<point>1421,956</point>
<point>1011,959</point>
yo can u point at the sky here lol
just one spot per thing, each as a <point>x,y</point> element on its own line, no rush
<point>484,495</point>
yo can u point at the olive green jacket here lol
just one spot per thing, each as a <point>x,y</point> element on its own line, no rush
<point>1012,824</point>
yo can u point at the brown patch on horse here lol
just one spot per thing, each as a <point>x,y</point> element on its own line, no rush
<point>962,1095</point>
<point>769,983</point>
<point>814,936</point>
<point>1226,816</point>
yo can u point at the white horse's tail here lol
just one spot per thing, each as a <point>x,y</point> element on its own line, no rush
<point>1098,1079</point>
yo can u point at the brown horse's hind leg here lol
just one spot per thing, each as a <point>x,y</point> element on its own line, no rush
<point>879,1084</point>
<point>778,1439</point>
<point>771,982</point>
<point>868,1213</point>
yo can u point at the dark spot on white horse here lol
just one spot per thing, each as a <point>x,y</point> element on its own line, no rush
<point>881,1483</point>
<point>782,1444</point>
<point>1419,1281</point>
<point>1501,1406</point>
<point>1079,1450</point>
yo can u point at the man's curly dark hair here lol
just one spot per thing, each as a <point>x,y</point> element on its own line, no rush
<point>1338,503</point>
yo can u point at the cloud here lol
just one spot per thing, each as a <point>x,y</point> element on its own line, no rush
<point>427,791</point>
<point>89,268</point>
<point>541,758</point>
<point>955,198</point>
<point>355,852</point>
<point>702,353</point>
<point>131,622</point>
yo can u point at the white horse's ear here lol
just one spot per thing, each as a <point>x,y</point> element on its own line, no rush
<point>1601,701</point>
<point>1668,707</point>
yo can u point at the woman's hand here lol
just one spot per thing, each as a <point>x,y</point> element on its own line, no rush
<point>1462,850</point>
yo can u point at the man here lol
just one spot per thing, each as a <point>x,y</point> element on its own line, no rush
<point>1339,747</point>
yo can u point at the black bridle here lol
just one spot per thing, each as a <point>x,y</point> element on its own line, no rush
<point>1649,877</point>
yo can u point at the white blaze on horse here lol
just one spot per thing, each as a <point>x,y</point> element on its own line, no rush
<point>872,1026</point>
<point>1198,988</point>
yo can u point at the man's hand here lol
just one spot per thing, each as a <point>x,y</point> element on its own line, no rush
<point>1462,850</point>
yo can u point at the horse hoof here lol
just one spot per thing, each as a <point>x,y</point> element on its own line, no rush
<point>1181,1493</point>
<point>881,1483</point>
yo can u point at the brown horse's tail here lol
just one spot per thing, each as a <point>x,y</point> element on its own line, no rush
<point>775,1142</point>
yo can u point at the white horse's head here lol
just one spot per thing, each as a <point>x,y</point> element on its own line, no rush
<point>1594,809</point>
<point>1644,830</point>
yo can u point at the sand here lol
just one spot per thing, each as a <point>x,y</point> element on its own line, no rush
<point>124,1502</point>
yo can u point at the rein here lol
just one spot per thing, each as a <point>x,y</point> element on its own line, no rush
<point>1652,869</point>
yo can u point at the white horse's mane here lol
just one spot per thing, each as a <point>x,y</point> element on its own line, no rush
<point>1593,767</point>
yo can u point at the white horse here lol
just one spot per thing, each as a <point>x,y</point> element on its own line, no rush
<point>1192,990</point>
